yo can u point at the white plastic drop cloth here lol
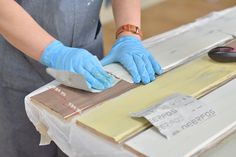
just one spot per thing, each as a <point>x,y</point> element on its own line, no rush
<point>72,139</point>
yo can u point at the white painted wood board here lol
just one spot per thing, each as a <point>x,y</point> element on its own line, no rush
<point>224,148</point>
<point>177,50</point>
<point>225,24</point>
<point>183,47</point>
<point>195,139</point>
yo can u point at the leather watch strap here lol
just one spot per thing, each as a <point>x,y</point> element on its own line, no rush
<point>129,28</point>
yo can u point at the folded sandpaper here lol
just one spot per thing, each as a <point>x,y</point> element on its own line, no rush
<point>74,80</point>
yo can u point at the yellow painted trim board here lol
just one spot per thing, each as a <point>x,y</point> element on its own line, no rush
<point>112,120</point>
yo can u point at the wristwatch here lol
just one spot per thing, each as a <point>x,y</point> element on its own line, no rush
<point>129,28</point>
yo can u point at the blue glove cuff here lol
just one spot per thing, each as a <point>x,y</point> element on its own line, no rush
<point>128,38</point>
<point>50,53</point>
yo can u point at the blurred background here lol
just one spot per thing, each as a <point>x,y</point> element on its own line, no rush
<point>159,16</point>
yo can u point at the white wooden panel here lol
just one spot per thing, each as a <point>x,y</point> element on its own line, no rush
<point>225,24</point>
<point>192,140</point>
<point>177,50</point>
<point>224,148</point>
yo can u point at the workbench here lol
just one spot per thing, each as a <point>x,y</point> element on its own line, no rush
<point>77,141</point>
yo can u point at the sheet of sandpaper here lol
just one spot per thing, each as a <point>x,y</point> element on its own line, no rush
<point>196,78</point>
<point>74,80</point>
<point>68,101</point>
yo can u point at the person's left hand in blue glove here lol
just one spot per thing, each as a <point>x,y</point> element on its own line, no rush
<point>129,51</point>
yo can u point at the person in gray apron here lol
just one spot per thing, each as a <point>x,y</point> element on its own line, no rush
<point>75,34</point>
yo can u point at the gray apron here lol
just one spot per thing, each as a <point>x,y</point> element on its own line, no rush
<point>73,22</point>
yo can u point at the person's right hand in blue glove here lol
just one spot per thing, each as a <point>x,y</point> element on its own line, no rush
<point>129,52</point>
<point>77,60</point>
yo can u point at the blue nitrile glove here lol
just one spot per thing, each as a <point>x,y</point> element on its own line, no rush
<point>77,60</point>
<point>130,52</point>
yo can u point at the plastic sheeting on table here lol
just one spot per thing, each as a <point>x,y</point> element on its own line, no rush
<point>72,139</point>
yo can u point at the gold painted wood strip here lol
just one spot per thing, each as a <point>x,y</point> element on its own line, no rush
<point>196,78</point>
